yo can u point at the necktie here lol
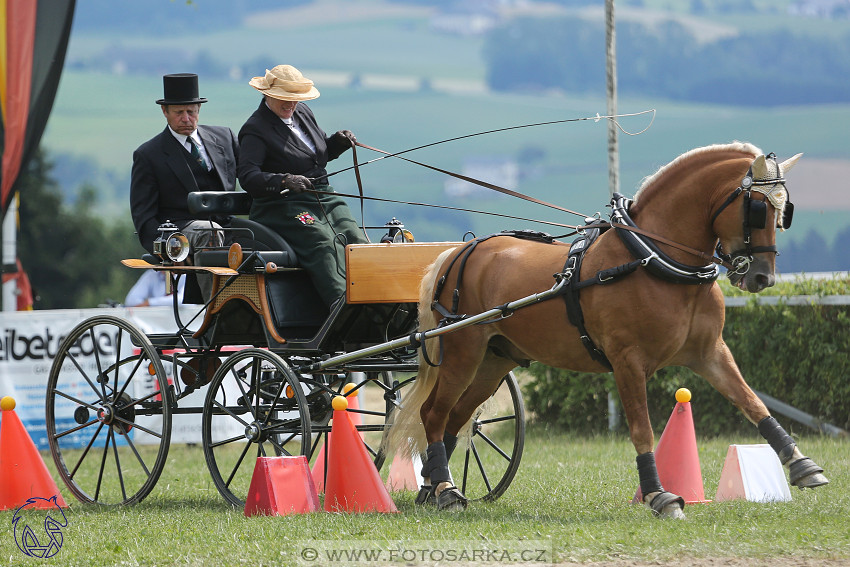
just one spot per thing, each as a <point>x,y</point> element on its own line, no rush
<point>196,153</point>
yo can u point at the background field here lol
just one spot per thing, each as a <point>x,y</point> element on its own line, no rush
<point>103,111</point>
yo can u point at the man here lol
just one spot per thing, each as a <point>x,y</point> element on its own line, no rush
<point>183,158</point>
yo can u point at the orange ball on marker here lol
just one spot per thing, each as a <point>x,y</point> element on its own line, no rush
<point>7,403</point>
<point>683,395</point>
<point>339,403</point>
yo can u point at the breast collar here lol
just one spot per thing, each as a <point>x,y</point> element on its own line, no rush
<point>651,256</point>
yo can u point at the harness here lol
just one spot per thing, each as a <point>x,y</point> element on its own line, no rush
<point>651,256</point>
<point>643,248</point>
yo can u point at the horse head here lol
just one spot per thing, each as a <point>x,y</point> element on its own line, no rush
<point>749,229</point>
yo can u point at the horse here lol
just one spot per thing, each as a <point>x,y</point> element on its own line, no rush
<point>652,308</point>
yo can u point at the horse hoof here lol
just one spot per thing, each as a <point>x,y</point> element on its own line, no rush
<point>426,496</point>
<point>451,499</point>
<point>668,505</point>
<point>805,473</point>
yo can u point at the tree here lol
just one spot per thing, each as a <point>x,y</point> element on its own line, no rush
<point>71,256</point>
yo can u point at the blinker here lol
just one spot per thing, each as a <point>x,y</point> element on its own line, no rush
<point>756,213</point>
<point>787,215</point>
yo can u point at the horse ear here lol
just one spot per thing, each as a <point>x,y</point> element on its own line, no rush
<point>759,168</point>
<point>786,165</point>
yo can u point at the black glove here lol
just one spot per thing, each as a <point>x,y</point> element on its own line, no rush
<point>295,183</point>
<point>348,134</point>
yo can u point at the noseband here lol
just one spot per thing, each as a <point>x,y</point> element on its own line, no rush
<point>755,216</point>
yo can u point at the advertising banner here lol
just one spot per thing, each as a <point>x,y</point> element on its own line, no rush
<point>29,340</point>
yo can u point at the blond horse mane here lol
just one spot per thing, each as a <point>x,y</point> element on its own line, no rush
<point>744,147</point>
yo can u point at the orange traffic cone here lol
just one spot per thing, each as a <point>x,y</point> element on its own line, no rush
<point>676,455</point>
<point>353,483</point>
<point>23,474</point>
<point>404,473</point>
<point>281,486</point>
<point>318,471</point>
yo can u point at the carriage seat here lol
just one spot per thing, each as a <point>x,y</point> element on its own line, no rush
<point>250,234</point>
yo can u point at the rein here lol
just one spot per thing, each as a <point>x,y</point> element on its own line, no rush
<point>736,262</point>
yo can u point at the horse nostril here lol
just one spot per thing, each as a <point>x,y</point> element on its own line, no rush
<point>762,281</point>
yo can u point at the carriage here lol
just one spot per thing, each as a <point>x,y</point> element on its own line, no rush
<point>272,359</point>
<point>261,367</point>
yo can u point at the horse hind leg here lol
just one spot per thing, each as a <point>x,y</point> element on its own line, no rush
<point>439,487</point>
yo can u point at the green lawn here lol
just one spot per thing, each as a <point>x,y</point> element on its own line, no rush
<point>571,495</point>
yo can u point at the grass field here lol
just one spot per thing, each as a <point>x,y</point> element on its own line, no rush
<point>571,496</point>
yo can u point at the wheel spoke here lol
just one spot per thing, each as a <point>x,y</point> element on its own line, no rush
<point>136,452</point>
<point>85,452</point>
<point>118,463</point>
<point>75,429</point>
<point>238,464</point>
<point>227,441</point>
<point>75,400</point>
<point>493,444</point>
<point>226,410</point>
<point>137,426</point>
<point>481,466</point>
<point>497,419</point>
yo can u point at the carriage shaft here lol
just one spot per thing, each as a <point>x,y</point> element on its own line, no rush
<point>418,338</point>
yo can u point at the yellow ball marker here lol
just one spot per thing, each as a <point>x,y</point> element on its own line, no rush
<point>7,403</point>
<point>339,403</point>
<point>683,395</point>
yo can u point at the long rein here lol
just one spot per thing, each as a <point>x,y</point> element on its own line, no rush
<point>578,228</point>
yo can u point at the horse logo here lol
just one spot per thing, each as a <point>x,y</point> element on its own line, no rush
<point>27,539</point>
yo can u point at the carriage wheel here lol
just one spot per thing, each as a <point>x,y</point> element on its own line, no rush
<point>108,424</point>
<point>491,454</point>
<point>376,396</point>
<point>255,407</point>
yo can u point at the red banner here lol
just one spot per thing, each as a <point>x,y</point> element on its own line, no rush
<point>33,40</point>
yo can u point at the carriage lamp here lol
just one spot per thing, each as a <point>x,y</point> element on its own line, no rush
<point>396,232</point>
<point>171,246</point>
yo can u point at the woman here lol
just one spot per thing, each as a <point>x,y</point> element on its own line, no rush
<point>283,152</point>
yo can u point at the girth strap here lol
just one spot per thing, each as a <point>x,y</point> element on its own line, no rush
<point>571,272</point>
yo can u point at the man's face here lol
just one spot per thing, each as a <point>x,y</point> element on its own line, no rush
<point>183,118</point>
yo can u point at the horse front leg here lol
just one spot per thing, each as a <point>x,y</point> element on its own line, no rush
<point>631,377</point>
<point>721,372</point>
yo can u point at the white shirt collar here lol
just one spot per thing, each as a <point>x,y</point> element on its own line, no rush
<point>182,138</point>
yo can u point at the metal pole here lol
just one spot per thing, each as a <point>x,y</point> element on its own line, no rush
<point>9,289</point>
<point>611,87</point>
<point>613,150</point>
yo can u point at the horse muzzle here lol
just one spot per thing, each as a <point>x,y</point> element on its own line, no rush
<point>752,274</point>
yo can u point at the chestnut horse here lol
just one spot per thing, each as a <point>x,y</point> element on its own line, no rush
<point>642,322</point>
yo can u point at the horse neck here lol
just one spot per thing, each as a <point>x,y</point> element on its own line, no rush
<point>679,204</point>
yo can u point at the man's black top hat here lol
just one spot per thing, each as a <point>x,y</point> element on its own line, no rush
<point>180,88</point>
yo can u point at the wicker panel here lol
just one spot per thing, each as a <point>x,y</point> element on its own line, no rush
<point>245,286</point>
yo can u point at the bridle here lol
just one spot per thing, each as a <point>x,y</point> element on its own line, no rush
<point>755,216</point>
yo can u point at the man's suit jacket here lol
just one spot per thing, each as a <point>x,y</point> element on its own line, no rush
<point>268,149</point>
<point>161,178</point>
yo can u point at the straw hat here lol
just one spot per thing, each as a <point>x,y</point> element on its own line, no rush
<point>285,82</point>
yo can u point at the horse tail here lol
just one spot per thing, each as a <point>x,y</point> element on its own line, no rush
<point>406,431</point>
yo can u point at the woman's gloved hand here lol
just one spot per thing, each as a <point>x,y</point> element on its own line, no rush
<point>295,183</point>
<point>348,134</point>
